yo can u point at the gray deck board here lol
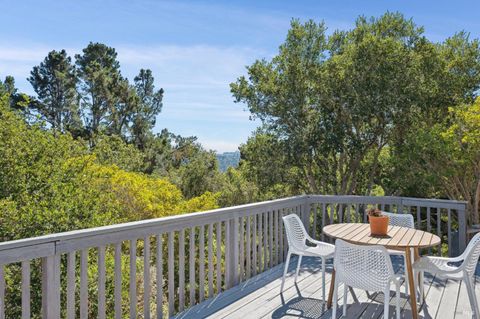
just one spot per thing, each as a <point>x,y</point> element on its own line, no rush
<point>259,297</point>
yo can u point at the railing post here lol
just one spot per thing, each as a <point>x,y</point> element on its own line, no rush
<point>462,229</point>
<point>51,287</point>
<point>232,253</point>
<point>400,206</point>
<point>306,213</point>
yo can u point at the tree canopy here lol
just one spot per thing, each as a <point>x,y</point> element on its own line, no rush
<point>332,103</point>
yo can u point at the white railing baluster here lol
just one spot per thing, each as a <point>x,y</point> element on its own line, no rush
<point>275,240</point>
<point>71,285</point>
<point>260,243</point>
<point>248,247</point>
<point>419,217</point>
<point>83,284</point>
<point>270,232</point>
<point>281,230</point>
<point>171,278</point>
<point>449,231</point>
<point>210,260</point>
<point>265,241</point>
<point>219,256</point>
<point>26,289</point>
<point>234,250</point>
<point>429,225</point>
<point>228,252</point>
<point>2,292</point>
<point>201,260</point>
<point>324,216</point>
<point>133,279</point>
<point>101,282</point>
<point>146,277</point>
<point>181,270</point>
<point>159,276</point>
<point>439,229</point>
<point>118,280</point>
<point>192,266</point>
<point>254,244</point>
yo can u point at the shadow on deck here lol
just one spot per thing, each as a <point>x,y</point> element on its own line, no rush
<point>260,297</point>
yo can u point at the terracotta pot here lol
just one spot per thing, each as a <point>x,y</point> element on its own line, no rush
<point>378,225</point>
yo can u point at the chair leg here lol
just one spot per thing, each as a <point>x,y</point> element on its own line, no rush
<point>471,296</point>
<point>477,308</point>
<point>406,275</point>
<point>345,292</point>
<point>421,284</point>
<point>475,299</point>
<point>386,302</point>
<point>285,269</point>
<point>335,299</point>
<point>323,279</point>
<point>397,297</point>
<point>298,267</point>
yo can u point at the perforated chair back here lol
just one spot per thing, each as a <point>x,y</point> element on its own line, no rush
<point>402,220</point>
<point>296,233</point>
<point>472,253</point>
<point>364,267</point>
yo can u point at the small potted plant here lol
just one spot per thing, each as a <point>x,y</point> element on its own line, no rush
<point>378,222</point>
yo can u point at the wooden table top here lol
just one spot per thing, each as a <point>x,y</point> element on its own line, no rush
<point>397,237</point>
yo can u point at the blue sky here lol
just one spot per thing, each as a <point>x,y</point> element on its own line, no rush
<point>195,48</point>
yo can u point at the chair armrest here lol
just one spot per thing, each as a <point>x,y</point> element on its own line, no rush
<point>318,242</point>
<point>424,264</point>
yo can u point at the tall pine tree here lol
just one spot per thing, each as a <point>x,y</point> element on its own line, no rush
<point>55,81</point>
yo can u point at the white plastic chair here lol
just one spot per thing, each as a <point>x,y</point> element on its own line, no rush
<point>367,268</point>
<point>443,268</point>
<point>401,220</point>
<point>297,238</point>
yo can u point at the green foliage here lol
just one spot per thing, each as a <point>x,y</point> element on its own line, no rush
<point>195,170</point>
<point>112,150</point>
<point>448,154</point>
<point>332,104</point>
<point>149,107</point>
<point>55,81</point>
<point>237,190</point>
<point>51,183</point>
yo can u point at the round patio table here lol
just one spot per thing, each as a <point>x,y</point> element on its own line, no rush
<point>397,238</point>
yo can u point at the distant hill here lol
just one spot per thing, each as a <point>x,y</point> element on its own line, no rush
<point>228,159</point>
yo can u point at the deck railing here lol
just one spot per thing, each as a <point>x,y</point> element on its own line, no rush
<point>182,260</point>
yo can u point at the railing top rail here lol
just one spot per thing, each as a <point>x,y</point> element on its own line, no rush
<point>170,222</point>
<point>408,201</point>
<point>221,214</point>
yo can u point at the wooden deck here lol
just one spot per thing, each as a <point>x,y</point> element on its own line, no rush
<point>260,297</point>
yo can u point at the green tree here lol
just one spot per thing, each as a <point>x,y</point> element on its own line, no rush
<point>333,103</point>
<point>448,155</point>
<point>264,164</point>
<point>149,107</point>
<point>16,100</point>
<point>195,170</point>
<point>55,83</point>
<point>99,71</point>
<point>113,150</point>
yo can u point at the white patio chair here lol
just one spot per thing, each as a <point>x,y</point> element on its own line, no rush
<point>297,238</point>
<point>443,268</point>
<point>367,268</point>
<point>401,220</point>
